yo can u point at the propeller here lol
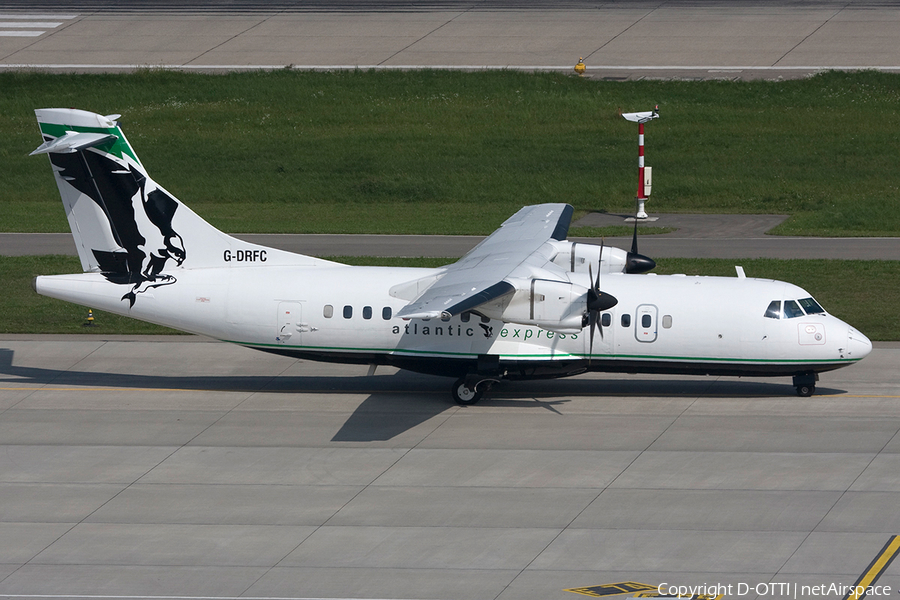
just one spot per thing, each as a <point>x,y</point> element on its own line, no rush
<point>637,263</point>
<point>597,302</point>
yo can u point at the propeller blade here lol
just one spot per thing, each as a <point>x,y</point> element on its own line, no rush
<point>600,263</point>
<point>634,249</point>
<point>635,262</point>
<point>591,345</point>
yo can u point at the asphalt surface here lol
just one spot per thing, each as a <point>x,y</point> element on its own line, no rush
<point>630,39</point>
<point>695,236</point>
<point>180,467</point>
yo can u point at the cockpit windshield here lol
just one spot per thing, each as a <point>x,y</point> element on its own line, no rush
<point>811,306</point>
<point>790,309</point>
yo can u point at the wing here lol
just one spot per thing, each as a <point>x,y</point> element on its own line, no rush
<point>480,276</point>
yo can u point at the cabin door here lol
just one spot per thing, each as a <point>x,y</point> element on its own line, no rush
<point>645,326</point>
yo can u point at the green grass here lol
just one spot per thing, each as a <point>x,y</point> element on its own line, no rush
<point>24,311</point>
<point>443,152</point>
<point>863,293</point>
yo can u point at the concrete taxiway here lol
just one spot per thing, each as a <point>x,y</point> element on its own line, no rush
<point>178,466</point>
<point>630,39</point>
<point>732,244</point>
<point>182,467</point>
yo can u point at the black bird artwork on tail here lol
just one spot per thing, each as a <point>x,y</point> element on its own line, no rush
<point>140,221</point>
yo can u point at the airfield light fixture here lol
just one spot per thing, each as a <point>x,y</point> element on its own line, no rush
<point>644,173</point>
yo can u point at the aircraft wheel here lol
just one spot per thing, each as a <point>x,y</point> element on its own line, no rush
<point>463,394</point>
<point>805,391</point>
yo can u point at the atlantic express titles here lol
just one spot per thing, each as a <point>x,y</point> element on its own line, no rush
<point>457,330</point>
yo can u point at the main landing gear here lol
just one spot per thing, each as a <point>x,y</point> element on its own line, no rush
<point>469,390</point>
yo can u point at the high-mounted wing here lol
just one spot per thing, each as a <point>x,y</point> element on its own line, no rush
<point>482,275</point>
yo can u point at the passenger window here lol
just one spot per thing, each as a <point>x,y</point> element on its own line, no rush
<point>465,317</point>
<point>792,310</point>
<point>646,321</point>
<point>606,319</point>
<point>774,310</point>
<point>667,321</point>
<point>626,320</point>
<point>329,311</point>
<point>386,313</point>
<point>811,306</point>
<point>348,311</point>
<point>485,319</point>
<point>367,312</point>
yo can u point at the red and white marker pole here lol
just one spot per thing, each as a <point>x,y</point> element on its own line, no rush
<point>643,191</point>
<point>640,192</point>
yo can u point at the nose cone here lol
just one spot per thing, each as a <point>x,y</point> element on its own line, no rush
<point>858,345</point>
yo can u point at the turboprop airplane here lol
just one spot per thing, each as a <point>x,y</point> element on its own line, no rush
<point>524,303</point>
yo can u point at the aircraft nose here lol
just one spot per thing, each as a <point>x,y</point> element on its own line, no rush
<point>858,345</point>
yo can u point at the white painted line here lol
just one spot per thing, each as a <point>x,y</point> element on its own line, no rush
<point>20,33</point>
<point>42,16</point>
<point>29,24</point>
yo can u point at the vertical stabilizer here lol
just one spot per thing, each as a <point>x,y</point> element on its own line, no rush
<point>126,226</point>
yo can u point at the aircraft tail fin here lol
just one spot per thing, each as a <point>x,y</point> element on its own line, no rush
<point>125,225</point>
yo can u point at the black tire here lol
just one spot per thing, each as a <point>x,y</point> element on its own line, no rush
<point>805,391</point>
<point>463,394</point>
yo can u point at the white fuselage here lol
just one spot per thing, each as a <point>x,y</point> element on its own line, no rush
<point>666,324</point>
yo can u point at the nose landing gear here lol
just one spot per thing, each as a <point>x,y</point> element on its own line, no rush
<point>806,384</point>
<point>805,391</point>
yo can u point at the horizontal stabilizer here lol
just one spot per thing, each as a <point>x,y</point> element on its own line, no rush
<point>73,142</point>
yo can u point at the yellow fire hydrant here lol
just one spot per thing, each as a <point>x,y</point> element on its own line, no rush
<point>579,68</point>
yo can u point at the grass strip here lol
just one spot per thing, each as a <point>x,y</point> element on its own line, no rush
<point>446,152</point>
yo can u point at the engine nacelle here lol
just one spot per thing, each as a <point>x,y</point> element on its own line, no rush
<point>557,306</point>
<point>578,258</point>
<point>575,258</point>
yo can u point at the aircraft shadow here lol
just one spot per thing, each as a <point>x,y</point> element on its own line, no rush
<point>400,401</point>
